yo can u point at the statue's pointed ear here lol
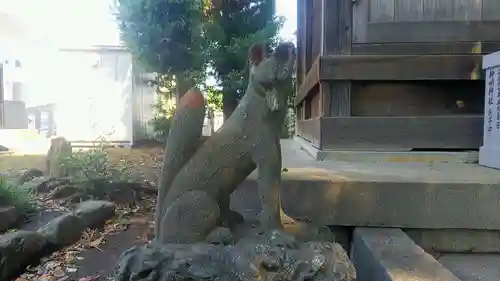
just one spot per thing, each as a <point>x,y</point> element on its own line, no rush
<point>257,53</point>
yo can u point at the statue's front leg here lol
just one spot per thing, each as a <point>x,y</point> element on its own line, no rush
<point>189,219</point>
<point>228,218</point>
<point>268,159</point>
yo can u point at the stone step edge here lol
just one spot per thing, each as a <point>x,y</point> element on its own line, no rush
<point>389,254</point>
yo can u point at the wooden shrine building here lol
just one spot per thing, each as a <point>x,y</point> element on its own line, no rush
<point>393,75</point>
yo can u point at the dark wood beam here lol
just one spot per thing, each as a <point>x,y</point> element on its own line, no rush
<point>402,133</point>
<point>400,67</point>
<point>335,96</point>
<point>311,80</point>
<point>432,31</point>
<point>310,130</point>
<point>301,41</point>
<point>337,27</point>
<point>442,48</point>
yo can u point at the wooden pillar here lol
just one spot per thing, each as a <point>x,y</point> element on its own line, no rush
<point>308,26</point>
<point>337,40</point>
<point>301,46</point>
<point>316,14</point>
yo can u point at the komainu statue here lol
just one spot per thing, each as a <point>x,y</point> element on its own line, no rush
<point>197,181</point>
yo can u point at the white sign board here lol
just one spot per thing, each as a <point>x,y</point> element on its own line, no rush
<point>489,153</point>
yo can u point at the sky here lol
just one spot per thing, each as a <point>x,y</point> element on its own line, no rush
<point>89,22</point>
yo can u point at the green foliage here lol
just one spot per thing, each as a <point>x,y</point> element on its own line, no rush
<point>91,166</point>
<point>163,109</point>
<point>166,37</point>
<point>161,126</point>
<point>213,98</point>
<point>21,197</point>
<point>288,129</point>
<point>164,34</point>
<point>231,28</point>
<point>182,38</point>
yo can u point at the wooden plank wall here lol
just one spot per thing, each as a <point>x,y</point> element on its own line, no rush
<point>449,111</point>
<point>383,21</point>
<point>309,40</point>
<point>310,130</point>
<point>420,98</point>
<point>432,10</point>
<point>301,43</point>
<point>335,97</point>
<point>401,133</point>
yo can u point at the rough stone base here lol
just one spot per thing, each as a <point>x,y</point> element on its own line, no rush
<point>381,254</point>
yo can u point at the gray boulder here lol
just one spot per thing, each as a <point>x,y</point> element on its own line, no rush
<point>38,184</point>
<point>63,230</point>
<point>17,250</point>
<point>8,217</point>
<point>63,191</point>
<point>29,175</point>
<point>94,213</point>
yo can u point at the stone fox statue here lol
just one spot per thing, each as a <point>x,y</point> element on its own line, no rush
<point>196,183</point>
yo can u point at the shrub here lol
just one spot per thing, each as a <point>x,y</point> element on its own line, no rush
<point>91,172</point>
<point>89,169</point>
<point>164,107</point>
<point>161,126</point>
<point>21,197</point>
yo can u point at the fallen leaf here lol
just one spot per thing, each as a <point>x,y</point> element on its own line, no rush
<point>58,272</point>
<point>96,243</point>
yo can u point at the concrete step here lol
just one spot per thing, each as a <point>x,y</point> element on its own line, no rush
<point>473,267</point>
<point>388,254</point>
<point>456,240</point>
<point>404,195</point>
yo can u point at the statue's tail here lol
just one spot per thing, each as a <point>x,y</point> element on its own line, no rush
<point>182,142</point>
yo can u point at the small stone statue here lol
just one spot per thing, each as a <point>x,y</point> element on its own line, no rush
<point>193,241</point>
<point>196,183</point>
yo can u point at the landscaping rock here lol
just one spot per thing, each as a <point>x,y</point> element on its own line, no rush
<point>17,250</point>
<point>39,184</point>
<point>8,217</point>
<point>94,213</point>
<point>29,175</point>
<point>54,183</point>
<point>63,191</point>
<point>63,230</point>
<point>120,192</point>
<point>123,192</point>
<point>59,148</point>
